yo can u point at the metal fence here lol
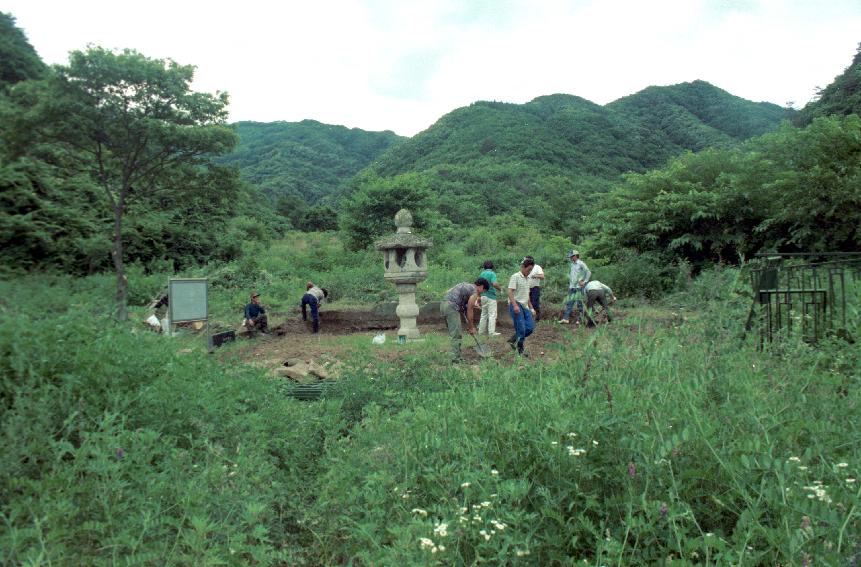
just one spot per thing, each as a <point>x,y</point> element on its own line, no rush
<point>802,294</point>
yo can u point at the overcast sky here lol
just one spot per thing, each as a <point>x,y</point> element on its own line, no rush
<point>401,64</point>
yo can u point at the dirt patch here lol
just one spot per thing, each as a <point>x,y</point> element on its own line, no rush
<point>293,340</point>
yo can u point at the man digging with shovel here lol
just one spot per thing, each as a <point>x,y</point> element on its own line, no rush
<point>459,302</point>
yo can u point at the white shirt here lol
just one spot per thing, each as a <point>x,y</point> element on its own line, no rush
<point>534,280</point>
<point>520,285</point>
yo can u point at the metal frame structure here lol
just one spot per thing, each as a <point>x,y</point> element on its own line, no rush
<point>801,293</point>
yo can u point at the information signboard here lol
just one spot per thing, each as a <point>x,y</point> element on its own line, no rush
<point>189,299</point>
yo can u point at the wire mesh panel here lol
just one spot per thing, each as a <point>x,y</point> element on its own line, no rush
<point>804,295</point>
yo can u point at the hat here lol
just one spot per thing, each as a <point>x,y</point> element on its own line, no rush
<point>573,253</point>
<point>527,261</point>
<point>255,294</point>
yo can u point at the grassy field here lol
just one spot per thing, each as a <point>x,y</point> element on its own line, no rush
<point>665,439</point>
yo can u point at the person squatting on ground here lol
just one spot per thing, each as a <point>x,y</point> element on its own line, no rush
<point>519,306</point>
<point>596,292</point>
<point>313,298</point>
<point>487,322</point>
<point>534,278</point>
<point>459,302</point>
<point>578,277</point>
<point>255,316</point>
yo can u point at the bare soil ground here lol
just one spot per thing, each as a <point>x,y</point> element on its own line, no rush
<point>333,345</point>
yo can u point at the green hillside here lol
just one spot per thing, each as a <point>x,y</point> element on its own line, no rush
<point>305,159</point>
<point>693,116</point>
<point>546,159</point>
<point>843,96</point>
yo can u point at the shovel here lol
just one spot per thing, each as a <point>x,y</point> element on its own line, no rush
<point>481,349</point>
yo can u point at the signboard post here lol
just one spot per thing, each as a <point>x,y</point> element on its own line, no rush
<point>189,301</point>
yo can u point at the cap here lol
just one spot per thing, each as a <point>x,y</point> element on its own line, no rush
<point>573,253</point>
<point>255,294</point>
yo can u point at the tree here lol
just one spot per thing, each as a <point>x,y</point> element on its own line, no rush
<point>370,210</point>
<point>129,122</point>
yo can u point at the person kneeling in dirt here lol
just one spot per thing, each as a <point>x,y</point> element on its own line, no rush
<point>255,316</point>
<point>596,292</point>
<point>459,302</point>
<point>313,298</point>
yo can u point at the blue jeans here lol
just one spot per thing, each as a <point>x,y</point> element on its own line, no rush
<point>311,301</point>
<point>575,296</point>
<point>523,324</point>
<point>535,298</point>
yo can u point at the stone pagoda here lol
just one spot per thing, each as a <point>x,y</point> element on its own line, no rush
<point>406,265</point>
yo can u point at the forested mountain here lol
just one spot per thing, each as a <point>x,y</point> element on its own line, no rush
<point>631,134</point>
<point>305,159</point>
<point>546,159</point>
<point>843,96</point>
<point>693,116</point>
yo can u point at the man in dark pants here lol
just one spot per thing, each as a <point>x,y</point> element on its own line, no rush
<point>596,292</point>
<point>255,316</point>
<point>534,278</point>
<point>313,298</point>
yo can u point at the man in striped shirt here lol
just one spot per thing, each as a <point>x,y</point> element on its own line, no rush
<point>519,305</point>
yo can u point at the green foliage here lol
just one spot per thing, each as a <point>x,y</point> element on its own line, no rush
<point>660,437</point>
<point>133,125</point>
<point>118,449</point>
<point>795,189</point>
<point>370,211</point>
<point>18,60</point>
<point>841,97</point>
<point>305,160</point>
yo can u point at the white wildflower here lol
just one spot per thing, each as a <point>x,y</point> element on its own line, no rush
<point>802,468</point>
<point>850,480</point>
<point>426,543</point>
<point>842,465</point>
<point>485,504</point>
<point>795,459</point>
<point>594,442</point>
<point>441,548</point>
<point>572,435</point>
<point>465,485</point>
<point>441,530</point>
<point>521,552</point>
<point>420,512</point>
<point>554,442</point>
<point>494,472</point>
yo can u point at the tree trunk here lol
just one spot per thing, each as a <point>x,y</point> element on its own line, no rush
<point>119,267</point>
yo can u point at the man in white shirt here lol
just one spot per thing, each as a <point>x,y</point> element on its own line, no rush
<point>519,306</point>
<point>596,292</point>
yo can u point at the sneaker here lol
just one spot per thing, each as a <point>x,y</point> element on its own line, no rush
<point>564,321</point>
<point>495,334</point>
<point>523,352</point>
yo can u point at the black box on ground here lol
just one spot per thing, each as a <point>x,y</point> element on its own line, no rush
<point>219,339</point>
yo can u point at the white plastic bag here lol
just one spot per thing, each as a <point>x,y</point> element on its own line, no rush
<point>379,339</point>
<point>153,321</point>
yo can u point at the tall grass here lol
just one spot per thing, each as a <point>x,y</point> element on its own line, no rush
<point>663,437</point>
